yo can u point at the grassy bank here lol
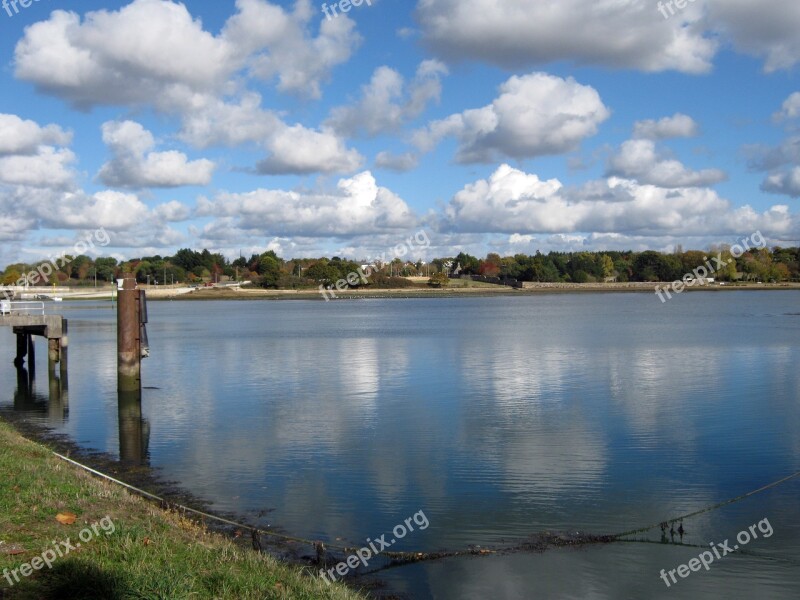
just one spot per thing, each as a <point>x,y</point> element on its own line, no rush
<point>124,547</point>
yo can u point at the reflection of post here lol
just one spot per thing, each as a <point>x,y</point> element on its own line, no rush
<point>57,406</point>
<point>31,355</point>
<point>134,432</point>
<point>23,395</point>
<point>22,349</point>
<point>129,359</point>
<point>62,353</point>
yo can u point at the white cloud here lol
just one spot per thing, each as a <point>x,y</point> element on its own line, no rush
<point>134,166</point>
<point>385,105</point>
<point>173,211</point>
<point>149,50</point>
<point>18,136</point>
<point>535,115</point>
<point>298,150</point>
<point>768,31</point>
<point>358,206</point>
<point>676,126</point>
<point>114,210</point>
<point>523,33</point>
<point>48,168</point>
<point>279,44</point>
<point>396,162</point>
<point>512,201</point>
<point>123,57</point>
<point>210,121</point>
<point>638,159</point>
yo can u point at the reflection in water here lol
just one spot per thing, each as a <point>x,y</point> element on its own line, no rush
<point>134,431</point>
<point>499,417</point>
<point>28,400</point>
<point>58,407</point>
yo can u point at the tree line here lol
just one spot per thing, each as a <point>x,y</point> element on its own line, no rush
<point>269,270</point>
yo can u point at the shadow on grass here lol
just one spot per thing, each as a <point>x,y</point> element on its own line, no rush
<point>69,579</point>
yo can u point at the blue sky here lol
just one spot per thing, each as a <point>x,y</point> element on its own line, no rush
<point>497,126</point>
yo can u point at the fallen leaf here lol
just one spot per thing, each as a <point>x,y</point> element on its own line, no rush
<point>11,549</point>
<point>66,518</point>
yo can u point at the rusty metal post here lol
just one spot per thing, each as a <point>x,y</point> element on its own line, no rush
<point>129,365</point>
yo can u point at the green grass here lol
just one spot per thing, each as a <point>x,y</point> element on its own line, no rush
<point>150,554</point>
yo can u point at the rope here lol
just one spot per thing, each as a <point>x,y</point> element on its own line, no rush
<point>537,543</point>
<point>712,507</point>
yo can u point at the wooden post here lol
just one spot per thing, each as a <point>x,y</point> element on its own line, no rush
<point>129,358</point>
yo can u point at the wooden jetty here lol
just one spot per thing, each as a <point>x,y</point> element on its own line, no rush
<point>29,320</point>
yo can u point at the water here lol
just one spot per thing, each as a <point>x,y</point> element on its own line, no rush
<point>496,417</point>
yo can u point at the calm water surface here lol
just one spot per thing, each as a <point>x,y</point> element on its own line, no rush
<point>497,417</point>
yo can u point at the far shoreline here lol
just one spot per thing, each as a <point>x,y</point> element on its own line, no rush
<point>459,289</point>
<point>205,294</point>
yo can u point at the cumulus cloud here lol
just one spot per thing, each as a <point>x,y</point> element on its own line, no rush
<point>153,53</point>
<point>358,206</point>
<point>115,210</point>
<point>172,211</point>
<point>781,162</point>
<point>48,168</point>
<point>209,121</point>
<point>676,126</point>
<point>521,33</point>
<point>122,57</point>
<point>279,44</point>
<point>639,159</point>
<point>386,102</point>
<point>512,201</point>
<point>534,115</point>
<point>148,50</point>
<point>134,165</point>
<point>299,150</point>
<point>766,31</point>
<point>18,136</point>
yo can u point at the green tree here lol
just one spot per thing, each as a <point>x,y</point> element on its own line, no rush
<point>606,266</point>
<point>270,270</point>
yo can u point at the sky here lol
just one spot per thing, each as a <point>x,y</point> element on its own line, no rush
<point>508,126</point>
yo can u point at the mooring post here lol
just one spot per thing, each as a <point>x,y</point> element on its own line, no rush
<point>129,365</point>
